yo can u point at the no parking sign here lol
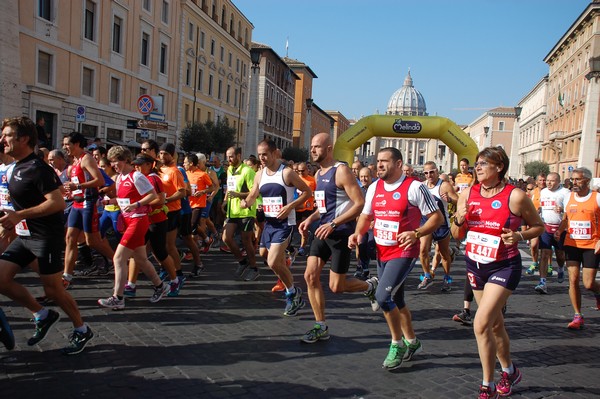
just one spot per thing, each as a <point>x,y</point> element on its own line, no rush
<point>145,104</point>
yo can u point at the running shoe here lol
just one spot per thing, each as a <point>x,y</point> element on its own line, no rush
<point>6,335</point>
<point>187,257</point>
<point>197,270</point>
<point>394,357</point>
<point>487,393</point>
<point>129,291</point>
<point>463,317</point>
<point>446,284</point>
<point>252,274</point>
<point>541,288</point>
<point>67,283</point>
<point>163,274</point>
<point>42,327</point>
<point>426,283</point>
<point>224,248</point>
<point>370,293</point>
<point>302,251</point>
<point>77,342</point>
<point>361,273</point>
<point>317,333</point>
<point>411,349</point>
<point>292,256</point>
<point>532,269</point>
<point>560,275</point>
<point>550,271</point>
<point>112,302</point>
<point>175,287</point>
<point>507,382</point>
<point>208,244</point>
<point>244,252</point>
<point>242,266</point>
<point>577,323</point>
<point>160,291</point>
<point>278,287</point>
<point>294,302</point>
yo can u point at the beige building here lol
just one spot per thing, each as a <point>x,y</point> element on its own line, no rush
<point>341,123</point>
<point>84,64</point>
<point>215,54</point>
<point>303,102</point>
<point>494,128</point>
<point>573,101</point>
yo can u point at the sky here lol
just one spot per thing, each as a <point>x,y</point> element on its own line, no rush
<point>465,56</point>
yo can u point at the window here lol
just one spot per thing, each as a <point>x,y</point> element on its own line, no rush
<point>143,90</point>
<point>212,47</point>
<point>44,74</point>
<point>230,60</point>
<point>191,32</point>
<point>501,125</point>
<point>165,12</point>
<point>90,11</point>
<point>114,134</point>
<point>200,77</point>
<point>186,113</point>
<point>115,87</point>
<point>235,98</point>
<point>202,40</point>
<point>145,47</point>
<point>219,89</point>
<point>45,9</point>
<point>163,58</point>
<point>89,130</point>
<point>87,82</point>
<point>210,85</point>
<point>222,54</point>
<point>227,94</point>
<point>146,4</point>
<point>116,39</point>
<point>188,71</point>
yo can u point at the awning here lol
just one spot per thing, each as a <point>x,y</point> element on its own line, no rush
<point>116,142</point>
<point>134,144</point>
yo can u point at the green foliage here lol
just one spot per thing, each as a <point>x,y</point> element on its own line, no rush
<point>295,154</point>
<point>207,137</point>
<point>535,168</point>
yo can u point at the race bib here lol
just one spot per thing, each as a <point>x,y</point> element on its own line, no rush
<point>194,188</point>
<point>22,229</point>
<point>386,232</point>
<point>482,248</point>
<point>272,206</point>
<point>320,201</point>
<point>580,230</point>
<point>123,202</point>
<point>231,183</point>
<point>4,197</point>
<point>75,180</point>
<point>548,203</point>
<point>462,186</point>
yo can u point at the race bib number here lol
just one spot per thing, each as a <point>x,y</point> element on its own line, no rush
<point>482,248</point>
<point>231,183</point>
<point>194,188</point>
<point>123,202</point>
<point>272,206</point>
<point>75,180</point>
<point>320,201</point>
<point>386,232</point>
<point>22,229</point>
<point>462,186</point>
<point>4,197</point>
<point>580,230</point>
<point>548,203</point>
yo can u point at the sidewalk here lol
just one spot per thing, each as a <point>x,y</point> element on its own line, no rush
<point>224,338</point>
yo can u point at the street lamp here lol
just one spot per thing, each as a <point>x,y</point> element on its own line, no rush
<point>308,127</point>
<point>515,165</point>
<point>252,129</point>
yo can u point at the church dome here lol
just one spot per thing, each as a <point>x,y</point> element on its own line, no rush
<point>407,100</point>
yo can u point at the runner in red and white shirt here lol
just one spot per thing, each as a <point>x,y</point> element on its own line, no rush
<point>134,195</point>
<point>396,203</point>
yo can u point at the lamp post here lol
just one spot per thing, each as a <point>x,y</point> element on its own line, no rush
<point>308,127</point>
<point>252,129</point>
<point>515,165</point>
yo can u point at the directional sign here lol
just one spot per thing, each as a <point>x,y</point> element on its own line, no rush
<point>80,115</point>
<point>152,125</point>
<point>145,104</point>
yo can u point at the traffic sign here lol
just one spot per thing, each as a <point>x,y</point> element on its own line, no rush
<point>80,114</point>
<point>155,116</point>
<point>145,104</point>
<point>144,134</point>
<point>571,168</point>
<point>152,125</point>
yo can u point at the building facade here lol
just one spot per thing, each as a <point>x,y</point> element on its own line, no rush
<point>573,101</point>
<point>301,134</point>
<point>494,128</point>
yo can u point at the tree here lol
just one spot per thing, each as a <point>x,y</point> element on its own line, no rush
<point>207,137</point>
<point>535,168</point>
<point>295,154</point>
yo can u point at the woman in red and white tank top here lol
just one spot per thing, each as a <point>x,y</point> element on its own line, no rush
<point>489,215</point>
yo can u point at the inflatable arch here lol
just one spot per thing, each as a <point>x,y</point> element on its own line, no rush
<point>401,126</point>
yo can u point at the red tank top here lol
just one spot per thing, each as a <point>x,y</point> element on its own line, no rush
<point>486,217</point>
<point>394,214</point>
<point>79,176</point>
<point>158,213</point>
<point>127,193</point>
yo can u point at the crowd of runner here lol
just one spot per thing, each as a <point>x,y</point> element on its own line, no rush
<point>62,206</point>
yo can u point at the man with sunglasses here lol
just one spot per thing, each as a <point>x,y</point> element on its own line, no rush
<point>443,193</point>
<point>582,241</point>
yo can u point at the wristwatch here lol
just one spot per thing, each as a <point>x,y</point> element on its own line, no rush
<point>417,234</point>
<point>333,225</point>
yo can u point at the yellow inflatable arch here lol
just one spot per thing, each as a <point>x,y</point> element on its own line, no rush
<point>400,126</point>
